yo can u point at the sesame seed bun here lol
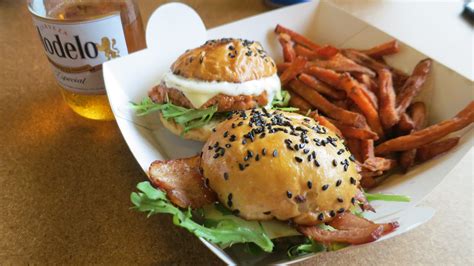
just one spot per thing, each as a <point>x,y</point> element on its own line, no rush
<point>231,60</point>
<point>283,165</point>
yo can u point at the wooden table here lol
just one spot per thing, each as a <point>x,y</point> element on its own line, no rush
<point>65,181</point>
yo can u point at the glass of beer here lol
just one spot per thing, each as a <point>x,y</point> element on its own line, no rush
<point>78,36</point>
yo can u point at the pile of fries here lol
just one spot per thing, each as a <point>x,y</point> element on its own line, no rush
<point>367,102</point>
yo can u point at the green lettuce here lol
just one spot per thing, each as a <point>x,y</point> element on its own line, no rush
<point>281,101</point>
<point>188,118</point>
<point>386,197</point>
<point>223,233</point>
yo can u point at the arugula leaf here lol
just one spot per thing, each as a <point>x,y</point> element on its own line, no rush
<point>224,233</point>
<point>386,197</point>
<point>281,100</point>
<point>188,118</point>
<point>309,246</point>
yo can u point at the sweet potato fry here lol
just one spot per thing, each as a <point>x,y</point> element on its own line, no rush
<point>367,149</point>
<point>387,48</point>
<point>289,53</point>
<point>413,85</point>
<point>340,63</point>
<point>300,103</point>
<point>321,87</point>
<point>326,75</point>
<point>325,122</point>
<point>405,125</point>
<point>363,59</point>
<point>331,110</point>
<point>388,113</point>
<point>355,133</point>
<point>354,91</point>
<point>367,81</point>
<point>291,72</point>
<point>418,112</point>
<point>379,164</point>
<point>354,147</point>
<point>427,135</point>
<point>429,151</point>
<point>298,38</point>
<point>182,181</point>
<point>327,51</point>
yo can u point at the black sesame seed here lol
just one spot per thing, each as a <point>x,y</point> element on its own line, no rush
<point>228,145</point>
<point>267,212</point>
<point>226,134</point>
<point>352,158</point>
<point>240,123</point>
<point>341,151</point>
<point>226,176</point>
<point>244,141</point>
<point>300,199</point>
<point>353,181</point>
<point>334,162</point>
<point>214,130</point>
<point>216,155</point>
<point>321,216</point>
<point>275,153</point>
<point>340,200</point>
<point>298,159</point>
<point>231,48</point>
<point>332,213</point>
<point>241,167</point>
<point>246,158</point>
<point>264,151</point>
<point>353,200</point>
<point>325,187</point>
<point>209,148</point>
<point>232,138</point>
<point>310,184</point>
<point>338,182</point>
<point>341,210</point>
<point>305,151</point>
<point>207,181</point>
<point>250,154</point>
<point>257,157</point>
<point>289,195</point>
<point>316,163</point>
<point>229,197</point>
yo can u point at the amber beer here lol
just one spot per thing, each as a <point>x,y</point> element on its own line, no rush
<point>78,36</point>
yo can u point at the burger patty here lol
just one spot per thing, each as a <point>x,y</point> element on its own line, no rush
<point>223,102</point>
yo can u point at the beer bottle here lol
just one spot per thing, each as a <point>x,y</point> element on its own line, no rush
<point>78,36</point>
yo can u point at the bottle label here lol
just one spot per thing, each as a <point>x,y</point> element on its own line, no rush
<point>77,49</point>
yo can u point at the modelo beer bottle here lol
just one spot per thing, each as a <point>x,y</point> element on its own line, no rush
<point>78,36</point>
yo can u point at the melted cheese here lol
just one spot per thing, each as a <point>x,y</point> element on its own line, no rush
<point>199,92</point>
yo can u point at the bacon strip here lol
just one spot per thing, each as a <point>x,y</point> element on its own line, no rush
<point>182,181</point>
<point>348,221</point>
<point>351,229</point>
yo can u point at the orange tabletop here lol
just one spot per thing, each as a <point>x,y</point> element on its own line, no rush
<point>65,181</point>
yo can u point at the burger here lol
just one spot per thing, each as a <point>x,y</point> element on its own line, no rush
<point>206,83</point>
<point>259,168</point>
